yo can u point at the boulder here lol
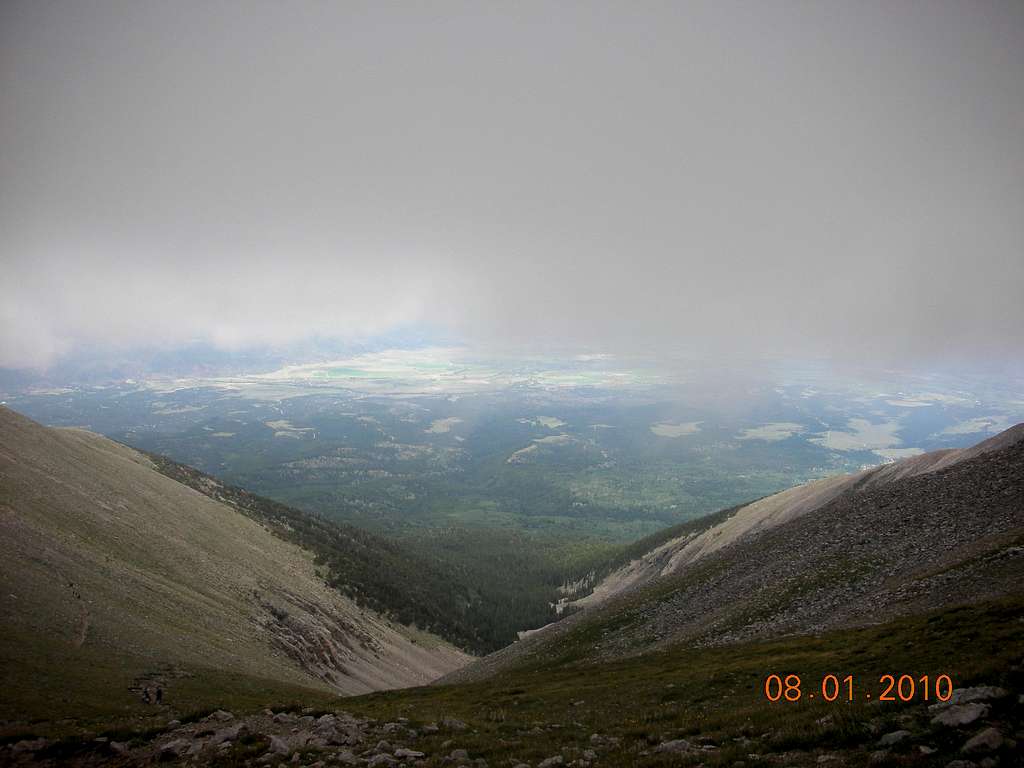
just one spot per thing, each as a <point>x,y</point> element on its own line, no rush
<point>893,738</point>
<point>551,762</point>
<point>988,740</point>
<point>676,745</point>
<point>968,695</point>
<point>459,754</point>
<point>402,752</point>
<point>381,760</point>
<point>29,745</point>
<point>222,715</point>
<point>173,749</point>
<point>278,746</point>
<point>959,715</point>
<point>454,724</point>
<point>231,733</point>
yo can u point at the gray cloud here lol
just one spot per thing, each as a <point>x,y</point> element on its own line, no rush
<point>787,177</point>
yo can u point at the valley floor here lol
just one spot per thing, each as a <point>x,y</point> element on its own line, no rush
<point>681,706</point>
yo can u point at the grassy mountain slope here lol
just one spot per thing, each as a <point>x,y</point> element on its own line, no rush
<point>623,713</point>
<point>107,564</point>
<point>553,705</point>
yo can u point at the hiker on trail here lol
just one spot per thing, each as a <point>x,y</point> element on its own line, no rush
<point>159,695</point>
<point>145,696</point>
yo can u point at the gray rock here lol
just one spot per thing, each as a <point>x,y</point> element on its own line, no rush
<point>119,748</point>
<point>893,738</point>
<point>343,736</point>
<point>173,724</point>
<point>968,695</point>
<point>459,754</point>
<point>232,733</point>
<point>29,745</point>
<point>278,746</point>
<point>284,717</point>
<point>382,746</point>
<point>988,740</point>
<point>381,760</point>
<point>959,715</point>
<point>551,761</point>
<point>879,755</point>
<point>960,764</point>
<point>222,715</point>
<point>403,753</point>
<point>454,724</point>
<point>926,750</point>
<point>173,749</point>
<point>676,745</point>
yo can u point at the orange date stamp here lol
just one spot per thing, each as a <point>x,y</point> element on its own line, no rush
<point>833,688</point>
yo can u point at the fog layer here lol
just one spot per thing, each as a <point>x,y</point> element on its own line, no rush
<point>802,178</point>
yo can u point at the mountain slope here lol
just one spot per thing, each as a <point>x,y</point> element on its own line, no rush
<point>375,572</point>
<point>101,556</point>
<point>698,541</point>
<point>897,540</point>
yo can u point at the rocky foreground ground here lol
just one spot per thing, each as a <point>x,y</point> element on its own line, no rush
<point>979,727</point>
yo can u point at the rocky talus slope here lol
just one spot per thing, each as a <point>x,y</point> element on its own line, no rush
<point>101,556</point>
<point>776,510</point>
<point>897,540</point>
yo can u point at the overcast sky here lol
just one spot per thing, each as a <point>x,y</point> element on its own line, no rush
<point>801,178</point>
